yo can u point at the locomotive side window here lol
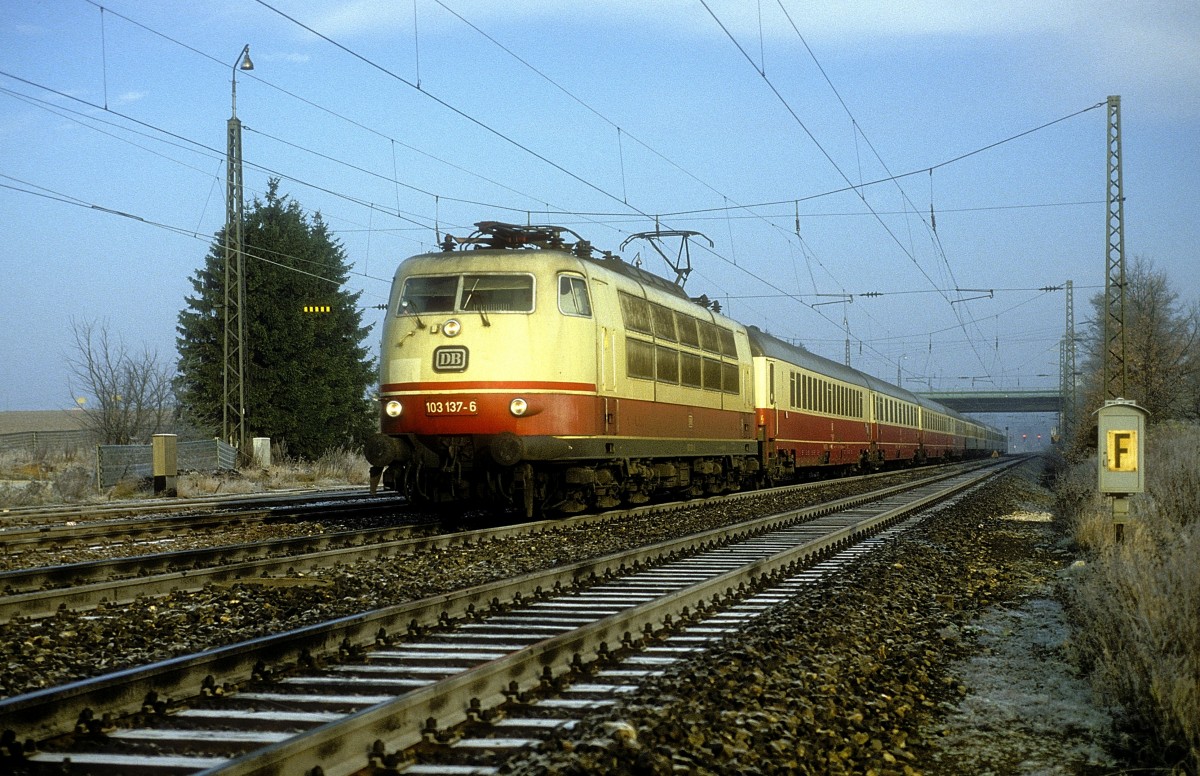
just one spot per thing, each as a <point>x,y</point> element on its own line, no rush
<point>688,333</point>
<point>664,322</point>
<point>666,364</point>
<point>712,374</point>
<point>428,294</point>
<point>636,313</point>
<point>728,348</point>
<point>709,340</point>
<point>497,293</point>
<point>639,358</point>
<point>690,370</point>
<point>729,378</point>
<point>573,296</point>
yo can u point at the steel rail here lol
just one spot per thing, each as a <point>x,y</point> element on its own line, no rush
<point>75,533</point>
<point>56,711</point>
<point>42,592</point>
<point>69,530</point>
<point>338,747</point>
<point>41,579</point>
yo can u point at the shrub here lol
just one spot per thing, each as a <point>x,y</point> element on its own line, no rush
<point>75,483</point>
<point>28,494</point>
<point>341,465</point>
<point>1135,605</point>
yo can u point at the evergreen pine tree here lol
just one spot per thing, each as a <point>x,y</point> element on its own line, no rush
<point>307,374</point>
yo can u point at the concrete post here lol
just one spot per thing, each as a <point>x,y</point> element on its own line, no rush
<point>262,452</point>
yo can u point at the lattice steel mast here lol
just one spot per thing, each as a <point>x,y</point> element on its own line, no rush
<point>233,404</point>
<point>1067,367</point>
<point>1115,370</point>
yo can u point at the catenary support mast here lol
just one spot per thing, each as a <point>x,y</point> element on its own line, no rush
<point>1114,282</point>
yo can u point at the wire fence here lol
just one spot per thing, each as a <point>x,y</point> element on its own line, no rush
<point>117,462</point>
<point>35,443</point>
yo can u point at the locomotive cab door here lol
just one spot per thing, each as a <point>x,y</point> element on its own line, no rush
<point>606,354</point>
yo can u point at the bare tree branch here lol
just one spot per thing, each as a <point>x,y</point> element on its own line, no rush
<point>131,391</point>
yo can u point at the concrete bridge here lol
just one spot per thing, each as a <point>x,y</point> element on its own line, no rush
<point>1033,400</point>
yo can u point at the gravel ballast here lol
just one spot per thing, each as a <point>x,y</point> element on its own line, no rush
<point>78,644</point>
<point>942,653</point>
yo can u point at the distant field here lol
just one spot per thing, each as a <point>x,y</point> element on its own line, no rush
<point>40,420</point>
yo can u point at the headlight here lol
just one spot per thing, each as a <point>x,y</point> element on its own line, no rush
<point>451,328</point>
<point>393,408</point>
<point>518,407</point>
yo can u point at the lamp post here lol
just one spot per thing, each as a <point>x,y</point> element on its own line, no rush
<point>233,413</point>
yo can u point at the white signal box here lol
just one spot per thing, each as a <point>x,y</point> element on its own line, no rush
<point>1121,447</point>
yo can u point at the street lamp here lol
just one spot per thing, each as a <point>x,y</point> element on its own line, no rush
<point>233,413</point>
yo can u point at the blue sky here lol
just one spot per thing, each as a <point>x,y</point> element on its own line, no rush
<point>728,118</point>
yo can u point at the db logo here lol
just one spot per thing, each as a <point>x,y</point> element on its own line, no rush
<point>450,359</point>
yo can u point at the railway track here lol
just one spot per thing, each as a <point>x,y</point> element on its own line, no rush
<point>26,531</point>
<point>43,591</point>
<point>360,685</point>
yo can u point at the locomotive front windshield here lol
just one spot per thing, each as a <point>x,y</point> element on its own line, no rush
<point>489,293</point>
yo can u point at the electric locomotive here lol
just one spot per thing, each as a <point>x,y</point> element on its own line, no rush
<point>520,370</point>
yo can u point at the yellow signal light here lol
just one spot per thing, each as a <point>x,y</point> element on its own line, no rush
<point>316,308</point>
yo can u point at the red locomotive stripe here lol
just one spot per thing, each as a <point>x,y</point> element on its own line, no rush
<point>562,415</point>
<point>495,385</point>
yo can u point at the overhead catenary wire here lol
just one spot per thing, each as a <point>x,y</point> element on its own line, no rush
<point>255,252</point>
<point>729,209</point>
<point>857,190</point>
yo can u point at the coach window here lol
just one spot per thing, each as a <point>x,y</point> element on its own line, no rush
<point>573,296</point>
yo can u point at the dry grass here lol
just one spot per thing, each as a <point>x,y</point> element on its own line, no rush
<point>1135,606</point>
<point>334,467</point>
<point>41,478</point>
<point>57,478</point>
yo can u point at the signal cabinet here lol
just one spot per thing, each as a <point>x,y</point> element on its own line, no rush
<point>1121,447</point>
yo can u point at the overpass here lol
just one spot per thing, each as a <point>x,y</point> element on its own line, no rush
<point>1034,400</point>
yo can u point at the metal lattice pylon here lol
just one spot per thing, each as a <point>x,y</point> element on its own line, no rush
<point>1067,366</point>
<point>233,401</point>
<point>1115,370</point>
<point>233,416</point>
